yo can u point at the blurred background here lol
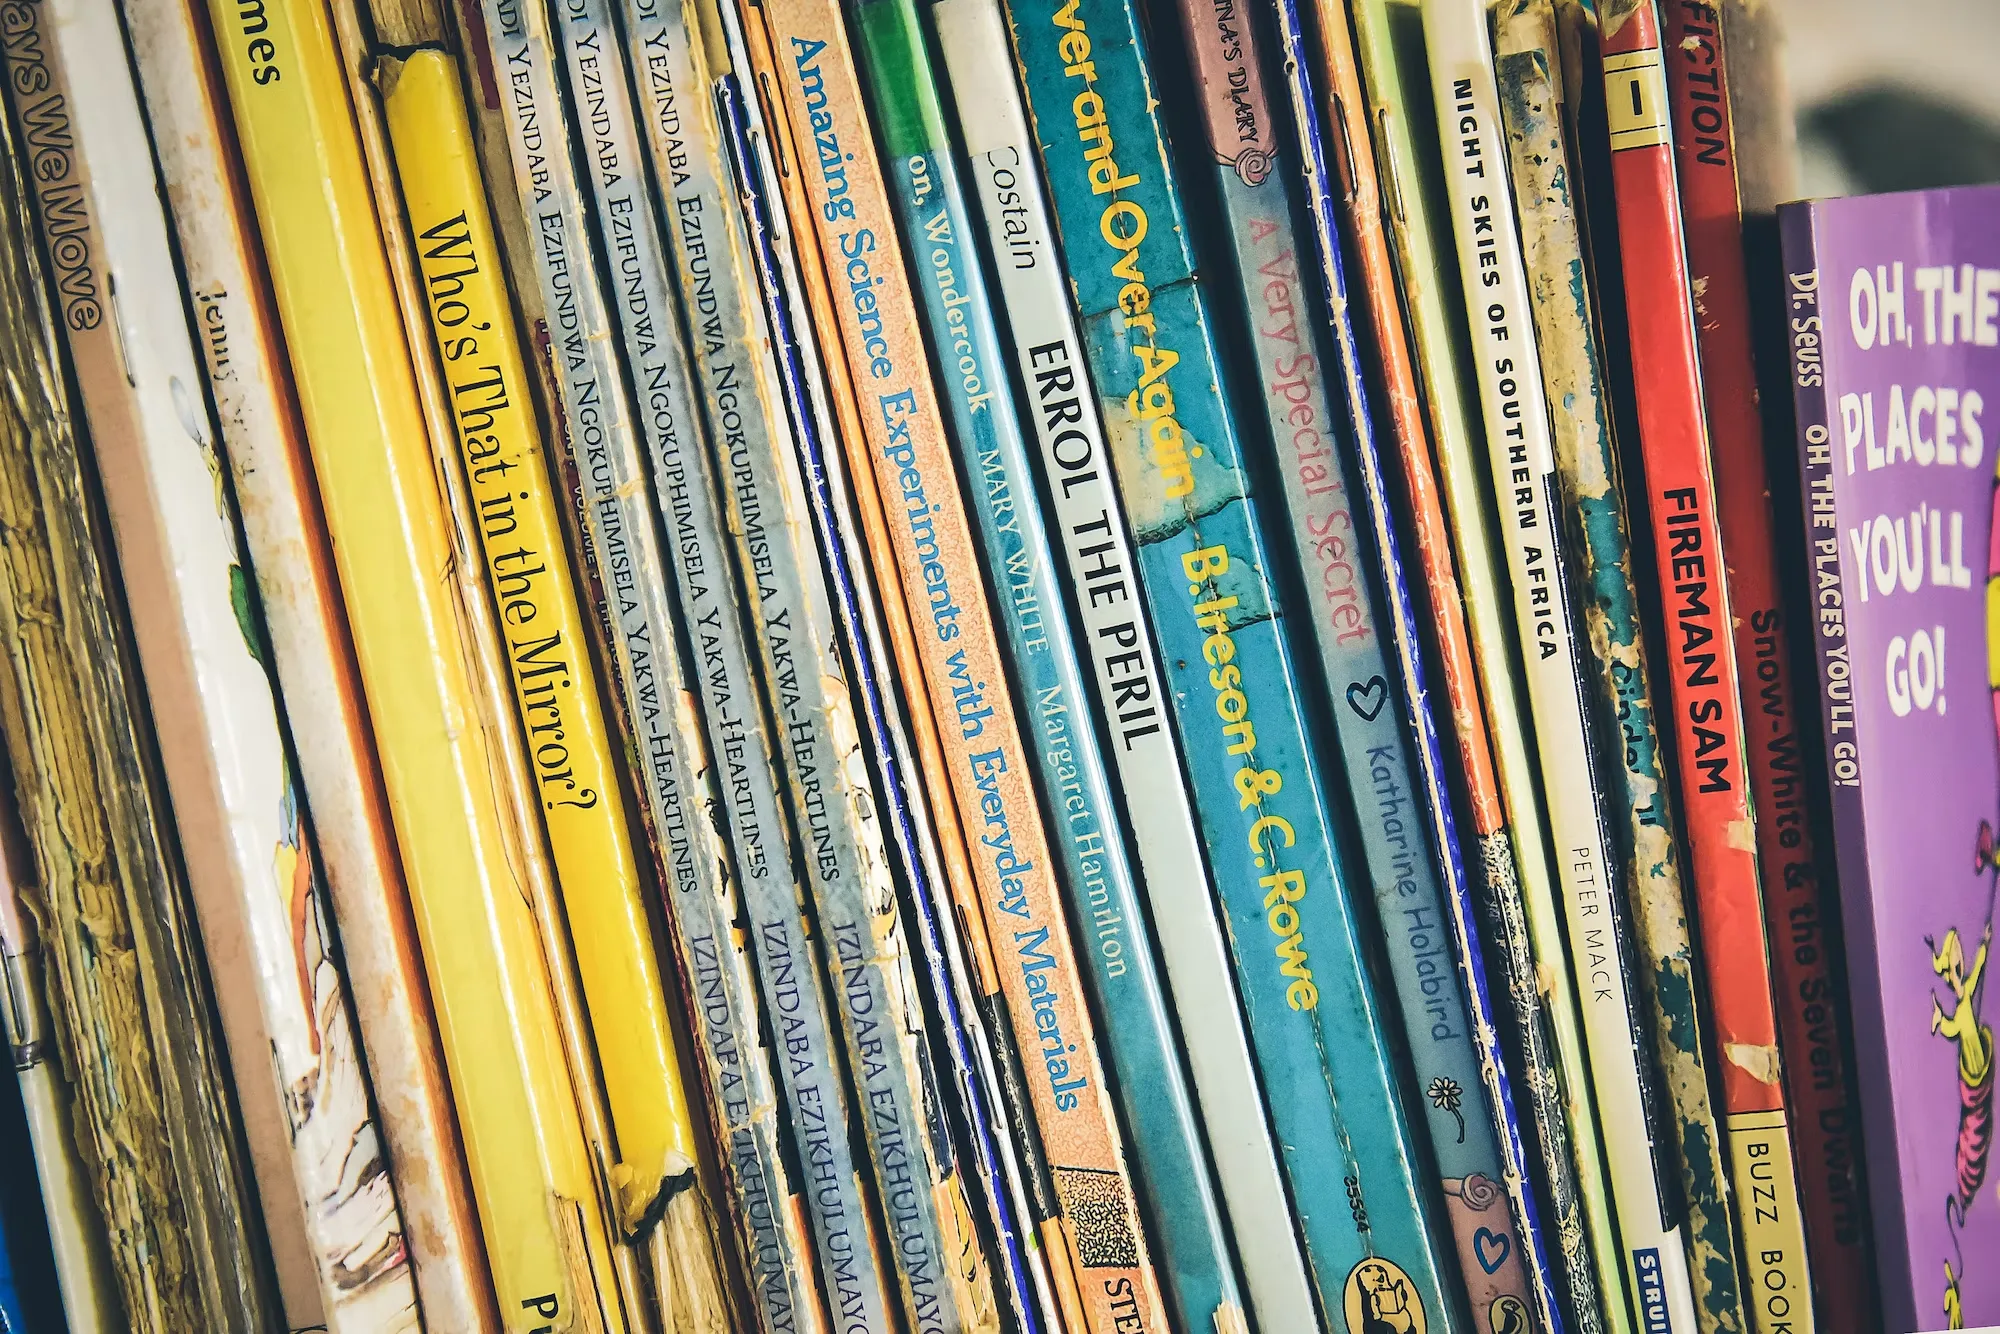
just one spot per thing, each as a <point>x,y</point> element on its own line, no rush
<point>1893,94</point>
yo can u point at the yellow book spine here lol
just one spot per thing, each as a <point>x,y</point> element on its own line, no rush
<point>364,421</point>
<point>541,621</point>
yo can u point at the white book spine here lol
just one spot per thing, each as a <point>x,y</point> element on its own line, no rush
<point>1522,456</point>
<point>336,1233</point>
<point>1117,639</point>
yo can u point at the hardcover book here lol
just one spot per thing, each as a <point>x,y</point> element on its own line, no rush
<point>1016,1200</point>
<point>127,984</point>
<point>1345,533</point>
<point>1168,1148</point>
<point>1075,469</point>
<point>1645,817</point>
<point>252,861</point>
<point>1100,1257</point>
<point>1812,1018</point>
<point>1526,485</point>
<point>1254,761</point>
<point>306,637</point>
<point>939,1260</point>
<point>1707,708</point>
<point>596,435</point>
<point>1417,287</point>
<point>1892,306</point>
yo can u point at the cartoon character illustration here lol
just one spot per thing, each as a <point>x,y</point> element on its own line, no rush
<point>1380,1300</point>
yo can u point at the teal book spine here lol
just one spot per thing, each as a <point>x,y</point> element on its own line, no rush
<point>1255,765</point>
<point>1320,439</point>
<point>1107,919</point>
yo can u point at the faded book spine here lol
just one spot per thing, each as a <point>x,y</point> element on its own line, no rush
<point>1452,1037</point>
<point>987,1094</point>
<point>118,939</point>
<point>251,858</point>
<point>1709,746</point>
<point>1525,477</point>
<point>719,665</point>
<point>1167,1149</point>
<point>1587,458</point>
<point>312,657</point>
<point>942,1269</point>
<point>1813,1023</point>
<point>1073,461</point>
<point>1103,1261</point>
<point>639,620</point>
<point>1255,762</point>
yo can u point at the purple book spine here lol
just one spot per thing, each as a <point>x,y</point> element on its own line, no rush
<point>1899,478</point>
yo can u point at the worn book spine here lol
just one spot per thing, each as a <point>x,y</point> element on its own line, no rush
<point>719,666</point>
<point>84,1283</point>
<point>942,1268</point>
<point>1812,1017</point>
<point>982,1101</point>
<point>1525,479</point>
<point>639,621</point>
<point>1255,763</point>
<point>1371,645</point>
<point>1574,378</point>
<point>312,657</point>
<point>247,843</point>
<point>1698,606</point>
<point>1105,917</point>
<point>447,771</point>
<point>583,804</point>
<point>902,462</point>
<point>127,985</point>
<point>1447,490</point>
<point>1073,461</point>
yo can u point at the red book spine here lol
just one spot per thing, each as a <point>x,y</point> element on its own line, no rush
<point>1707,709</point>
<point>1811,1020</point>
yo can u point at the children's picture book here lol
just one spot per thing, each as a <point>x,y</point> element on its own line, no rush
<point>1894,306</point>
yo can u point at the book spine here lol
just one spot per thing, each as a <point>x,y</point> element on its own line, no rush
<point>1523,467</point>
<point>312,656</point>
<point>1416,286</point>
<point>139,395</point>
<point>1828,587</point>
<point>639,619</point>
<point>248,847</point>
<point>986,1107</point>
<point>1104,1264</point>
<point>719,667</point>
<point>1486,1173</point>
<point>1168,1149</point>
<point>1074,465</point>
<point>1574,378</point>
<point>1253,759</point>
<point>554,689</point>
<point>1713,773</point>
<point>943,1273</point>
<point>425,657</point>
<point>1812,1023</point>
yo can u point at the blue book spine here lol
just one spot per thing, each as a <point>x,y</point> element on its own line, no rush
<point>1106,916</point>
<point>1254,763</point>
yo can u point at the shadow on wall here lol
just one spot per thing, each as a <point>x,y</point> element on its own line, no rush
<point>1894,137</point>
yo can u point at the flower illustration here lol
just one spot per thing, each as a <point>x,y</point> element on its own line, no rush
<point>1445,1095</point>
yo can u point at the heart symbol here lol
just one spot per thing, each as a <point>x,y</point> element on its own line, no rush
<point>1486,1240</point>
<point>1367,697</point>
